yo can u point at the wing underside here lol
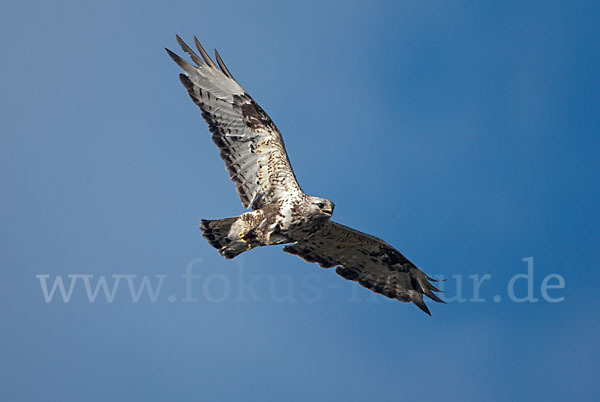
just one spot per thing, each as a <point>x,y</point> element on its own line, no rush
<point>369,261</point>
<point>250,143</point>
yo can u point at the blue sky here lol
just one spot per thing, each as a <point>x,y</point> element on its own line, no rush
<point>463,133</point>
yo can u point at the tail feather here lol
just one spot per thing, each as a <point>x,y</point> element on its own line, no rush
<point>217,232</point>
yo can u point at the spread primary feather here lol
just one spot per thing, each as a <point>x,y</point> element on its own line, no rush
<point>281,213</point>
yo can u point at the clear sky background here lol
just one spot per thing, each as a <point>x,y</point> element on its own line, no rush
<point>466,134</point>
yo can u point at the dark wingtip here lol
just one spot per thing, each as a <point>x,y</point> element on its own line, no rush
<point>205,55</point>
<point>222,65</point>
<point>417,299</point>
<point>435,298</point>
<point>175,57</point>
<point>184,65</point>
<point>429,278</point>
<point>423,307</point>
<point>189,51</point>
<point>435,289</point>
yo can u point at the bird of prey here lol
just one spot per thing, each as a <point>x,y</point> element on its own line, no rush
<point>281,213</point>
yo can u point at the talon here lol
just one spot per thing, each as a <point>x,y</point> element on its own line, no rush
<point>241,236</point>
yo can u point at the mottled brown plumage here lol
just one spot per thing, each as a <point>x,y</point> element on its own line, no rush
<point>257,162</point>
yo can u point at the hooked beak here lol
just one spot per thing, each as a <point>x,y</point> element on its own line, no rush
<point>327,211</point>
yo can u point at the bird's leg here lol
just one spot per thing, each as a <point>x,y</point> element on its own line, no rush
<point>247,238</point>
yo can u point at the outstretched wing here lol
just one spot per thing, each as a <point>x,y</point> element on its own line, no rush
<point>368,260</point>
<point>250,144</point>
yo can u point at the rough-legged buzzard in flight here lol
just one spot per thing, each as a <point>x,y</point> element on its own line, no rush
<point>255,157</point>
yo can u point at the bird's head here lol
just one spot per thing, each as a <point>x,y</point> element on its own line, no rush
<point>321,206</point>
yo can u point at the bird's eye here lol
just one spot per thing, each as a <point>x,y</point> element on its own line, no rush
<point>321,205</point>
